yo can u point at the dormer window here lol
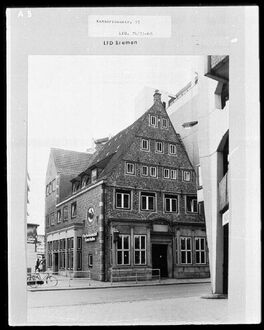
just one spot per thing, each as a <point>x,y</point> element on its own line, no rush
<point>75,187</point>
<point>153,121</point>
<point>164,123</point>
<point>130,168</point>
<point>94,175</point>
<point>84,181</point>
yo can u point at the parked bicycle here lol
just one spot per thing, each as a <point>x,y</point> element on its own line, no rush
<point>34,279</point>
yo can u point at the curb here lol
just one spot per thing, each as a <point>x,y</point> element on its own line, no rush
<point>114,286</point>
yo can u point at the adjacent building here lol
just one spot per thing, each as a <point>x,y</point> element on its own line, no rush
<point>132,207</point>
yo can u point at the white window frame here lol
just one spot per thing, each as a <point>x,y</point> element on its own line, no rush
<point>200,251</point>
<point>123,250</point>
<point>145,194</point>
<point>72,208</point>
<point>129,172</point>
<point>144,166</point>
<point>122,200</point>
<point>142,145</point>
<point>192,204</point>
<point>164,171</point>
<point>172,176</point>
<point>59,218</point>
<point>140,250</point>
<point>185,174</point>
<point>172,197</point>
<point>151,168</point>
<point>172,146</point>
<point>94,175</point>
<point>186,250</point>
<point>156,121</point>
<point>156,147</point>
<point>52,219</point>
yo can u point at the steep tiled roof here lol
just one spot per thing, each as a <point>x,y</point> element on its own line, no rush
<point>70,162</point>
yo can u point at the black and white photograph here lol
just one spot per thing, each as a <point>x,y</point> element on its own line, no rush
<point>133,170</point>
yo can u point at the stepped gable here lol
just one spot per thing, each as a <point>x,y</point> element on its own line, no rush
<point>70,162</point>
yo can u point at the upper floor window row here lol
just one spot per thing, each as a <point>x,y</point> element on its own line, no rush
<point>159,147</point>
<point>85,180</point>
<point>154,120</point>
<point>51,187</point>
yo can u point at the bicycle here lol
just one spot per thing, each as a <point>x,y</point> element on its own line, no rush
<point>35,279</point>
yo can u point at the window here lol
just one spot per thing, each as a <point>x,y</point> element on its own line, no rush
<point>52,220</point>
<point>70,253</point>
<point>47,190</point>
<point>164,123</point>
<point>130,168</point>
<point>186,176</point>
<point>47,221</point>
<point>123,250</point>
<point>140,250</point>
<point>79,253</point>
<point>153,121</point>
<point>173,174</point>
<point>166,173</point>
<point>90,260</point>
<point>122,199</point>
<point>58,216</point>
<point>84,181</point>
<point>145,144</point>
<point>73,210</point>
<point>62,254</point>
<point>171,203</point>
<point>54,185</point>
<point>65,213</point>
<point>172,149</point>
<point>186,250</point>
<point>159,147</point>
<point>153,171</point>
<point>191,204</point>
<point>94,175</point>
<point>148,201</point>
<point>144,170</point>
<point>75,187</point>
<point>199,176</point>
<point>200,250</point>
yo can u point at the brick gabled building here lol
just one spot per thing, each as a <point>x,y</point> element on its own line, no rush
<point>133,207</point>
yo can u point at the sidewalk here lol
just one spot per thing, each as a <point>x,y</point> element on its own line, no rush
<point>65,283</point>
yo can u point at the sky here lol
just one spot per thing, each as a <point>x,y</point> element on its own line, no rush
<point>73,100</point>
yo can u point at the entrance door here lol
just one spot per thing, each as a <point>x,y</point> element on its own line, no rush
<point>56,262</point>
<point>159,258</point>
<point>225,261</point>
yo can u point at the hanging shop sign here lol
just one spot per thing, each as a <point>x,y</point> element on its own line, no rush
<point>90,237</point>
<point>90,214</point>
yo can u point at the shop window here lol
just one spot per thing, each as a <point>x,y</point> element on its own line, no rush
<point>90,260</point>
<point>191,204</point>
<point>73,210</point>
<point>58,216</point>
<point>49,254</point>
<point>200,250</point>
<point>166,173</point>
<point>70,253</point>
<point>172,149</point>
<point>148,201</point>
<point>173,174</point>
<point>186,176</point>
<point>159,147</point>
<point>153,171</point>
<point>171,203</point>
<point>62,254</point>
<point>144,170</point>
<point>140,250</point>
<point>123,250</point>
<point>65,213</point>
<point>130,168</point>
<point>145,144</point>
<point>123,199</point>
<point>186,250</point>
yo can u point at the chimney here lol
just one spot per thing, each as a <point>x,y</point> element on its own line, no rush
<point>157,96</point>
<point>100,142</point>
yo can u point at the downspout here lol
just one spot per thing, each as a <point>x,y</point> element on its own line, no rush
<point>103,238</point>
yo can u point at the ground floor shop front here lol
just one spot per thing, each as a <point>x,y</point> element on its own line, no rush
<point>126,248</point>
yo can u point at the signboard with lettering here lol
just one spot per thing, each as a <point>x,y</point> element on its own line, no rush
<point>90,237</point>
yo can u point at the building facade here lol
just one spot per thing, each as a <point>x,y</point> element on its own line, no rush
<point>134,207</point>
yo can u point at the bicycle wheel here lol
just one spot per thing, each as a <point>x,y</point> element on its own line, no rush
<point>32,280</point>
<point>51,280</point>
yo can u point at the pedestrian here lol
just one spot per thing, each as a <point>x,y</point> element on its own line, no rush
<point>37,265</point>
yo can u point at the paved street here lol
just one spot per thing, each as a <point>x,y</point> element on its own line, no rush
<point>168,304</point>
